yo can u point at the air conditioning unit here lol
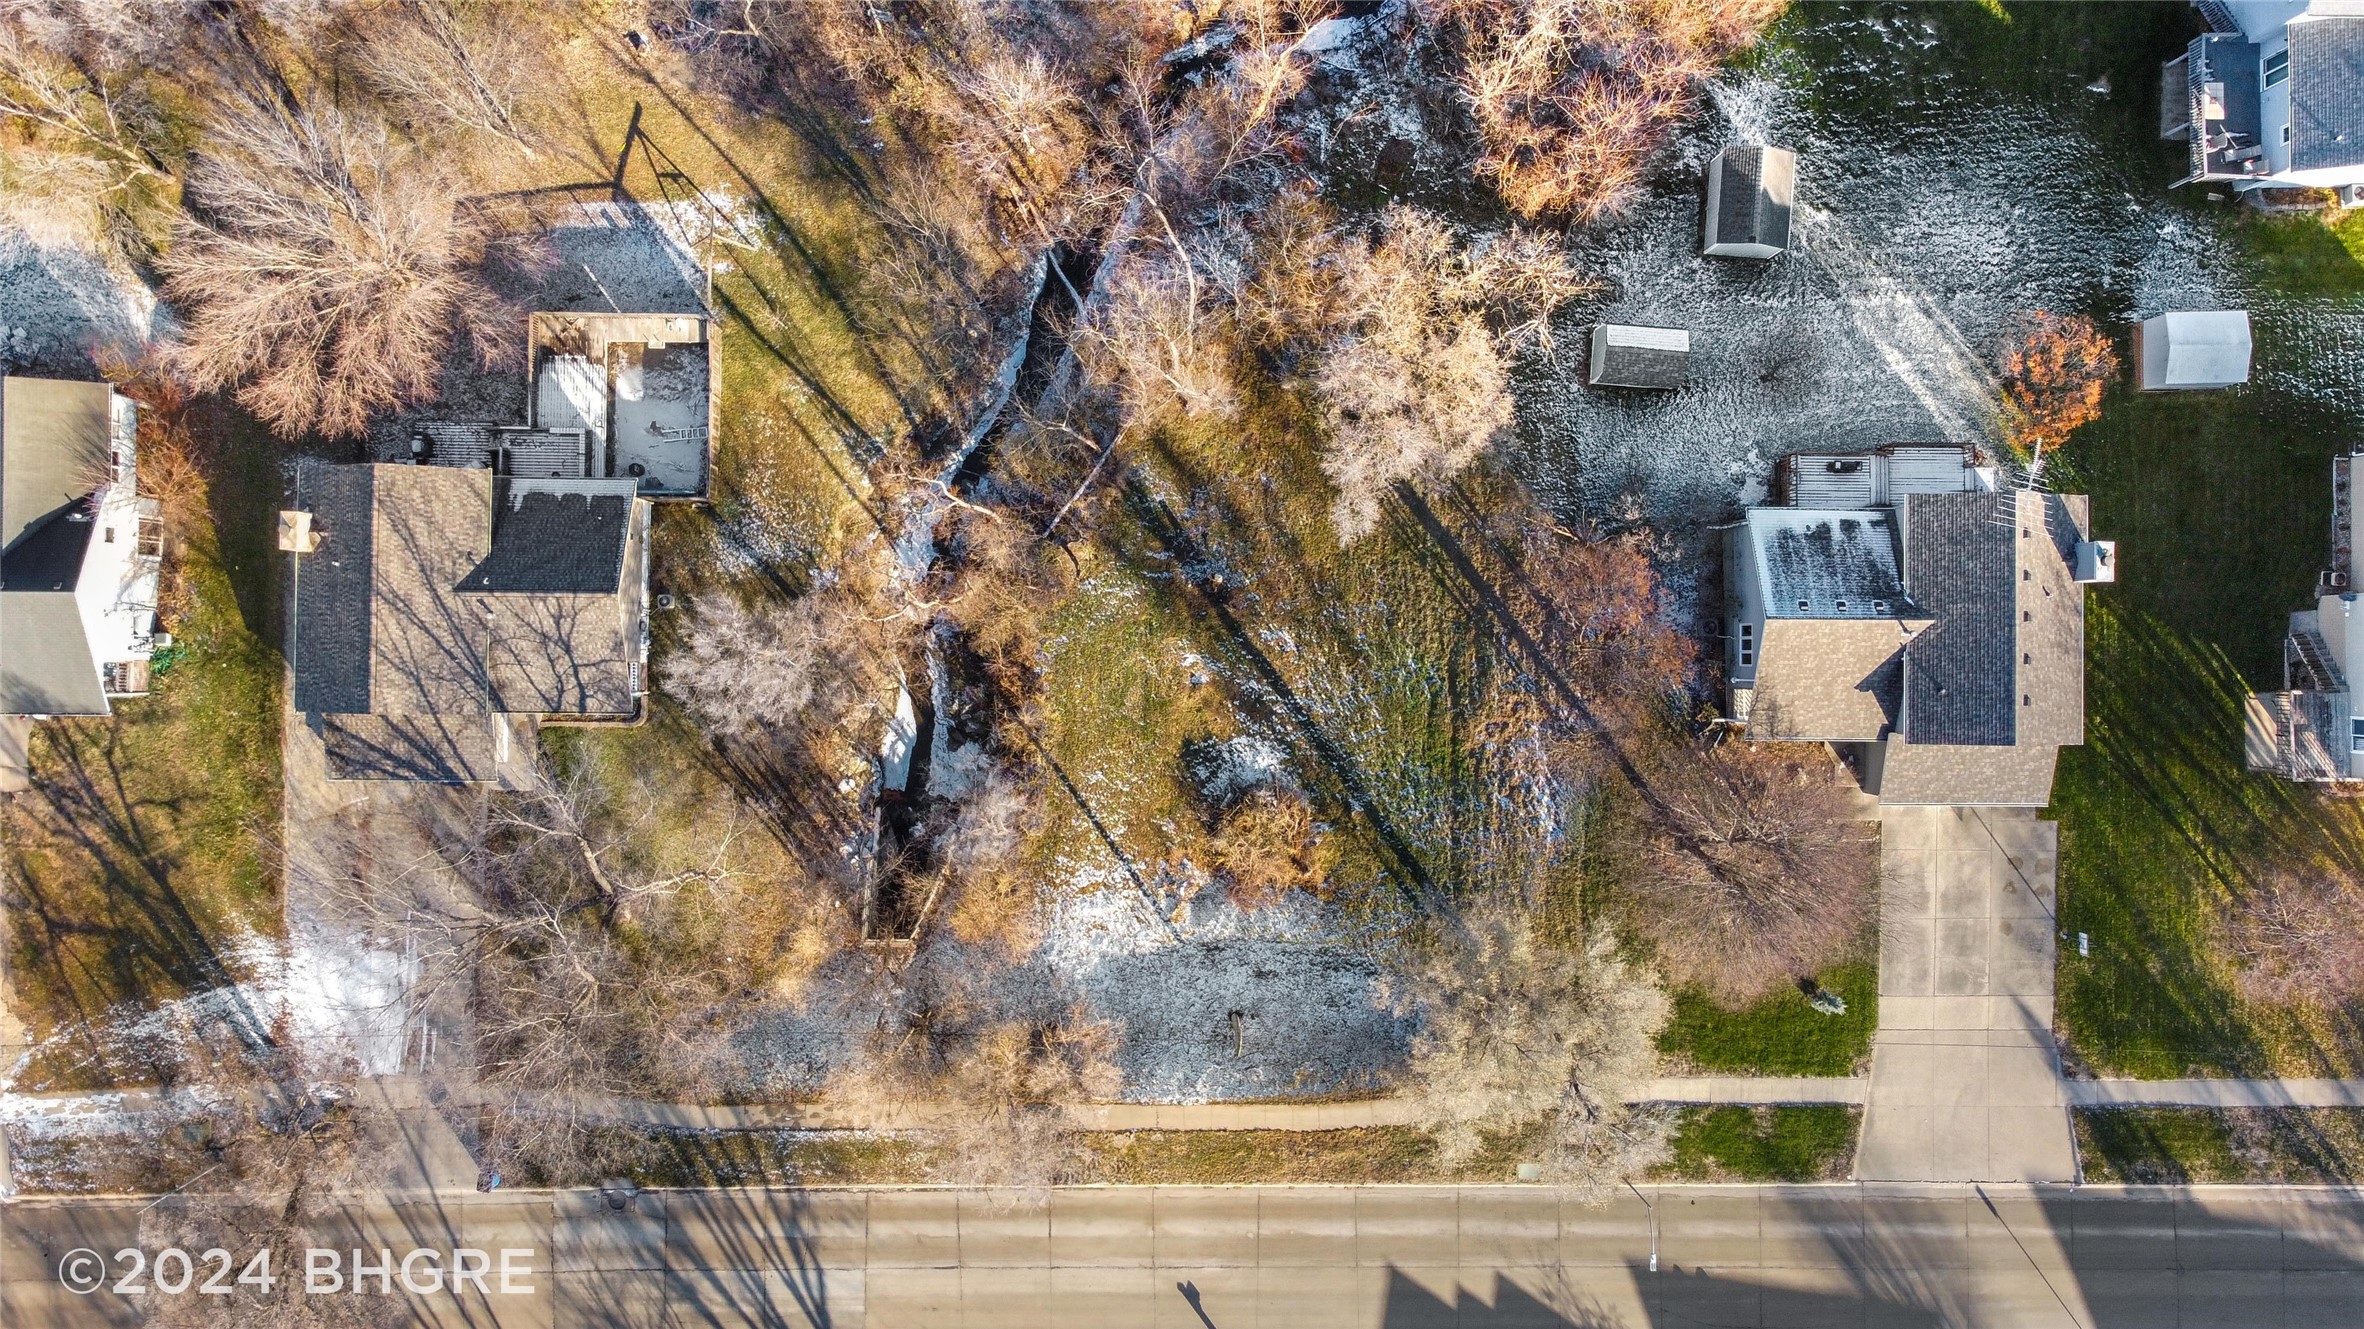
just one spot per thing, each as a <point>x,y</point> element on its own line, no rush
<point>2335,580</point>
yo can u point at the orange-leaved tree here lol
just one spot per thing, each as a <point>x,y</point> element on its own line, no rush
<point>2054,367</point>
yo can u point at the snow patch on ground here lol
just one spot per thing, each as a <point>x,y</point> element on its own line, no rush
<point>59,301</point>
<point>1304,980</point>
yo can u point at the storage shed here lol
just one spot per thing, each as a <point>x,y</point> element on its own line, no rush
<point>1750,189</point>
<point>2193,349</point>
<point>1632,357</point>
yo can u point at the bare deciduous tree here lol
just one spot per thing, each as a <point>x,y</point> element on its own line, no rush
<point>1515,1031</point>
<point>1753,865</point>
<point>462,64</point>
<point>1416,381</point>
<point>1571,97</point>
<point>327,273</point>
<point>745,671</point>
<point>2299,936</point>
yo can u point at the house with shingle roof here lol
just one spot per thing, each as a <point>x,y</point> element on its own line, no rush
<point>1908,610</point>
<point>79,550</point>
<point>442,613</point>
<point>2272,95</point>
<point>2313,730</point>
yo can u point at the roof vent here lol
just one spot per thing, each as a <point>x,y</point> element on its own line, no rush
<point>296,533</point>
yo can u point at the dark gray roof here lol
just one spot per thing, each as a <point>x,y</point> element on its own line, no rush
<point>45,663</point>
<point>2005,660</point>
<point>2326,92</point>
<point>48,557</point>
<point>1746,212</point>
<point>556,539</point>
<point>1959,673</point>
<point>1813,562</point>
<point>331,638</point>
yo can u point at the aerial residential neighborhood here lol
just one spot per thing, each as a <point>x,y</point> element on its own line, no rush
<point>1379,663</point>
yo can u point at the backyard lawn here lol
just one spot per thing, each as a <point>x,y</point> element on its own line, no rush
<point>140,873</point>
<point>2221,506</point>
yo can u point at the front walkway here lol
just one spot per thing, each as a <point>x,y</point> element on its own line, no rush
<point>1965,1082</point>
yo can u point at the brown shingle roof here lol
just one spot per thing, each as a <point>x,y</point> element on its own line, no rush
<point>1829,679</point>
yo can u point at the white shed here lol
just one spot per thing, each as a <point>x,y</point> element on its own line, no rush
<point>2193,349</point>
<point>1624,356</point>
<point>1750,190</point>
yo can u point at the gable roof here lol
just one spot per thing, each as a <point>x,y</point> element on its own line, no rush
<point>1959,673</point>
<point>2326,91</point>
<point>1827,564</point>
<point>46,667</point>
<point>1957,775</point>
<point>2005,661</point>
<point>1829,679</point>
<point>557,537</point>
<point>436,598</point>
<point>54,438</point>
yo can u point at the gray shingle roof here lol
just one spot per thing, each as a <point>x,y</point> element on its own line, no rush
<point>1954,775</point>
<point>1959,674</point>
<point>331,634</point>
<point>2326,92</point>
<point>422,611</point>
<point>1752,202</point>
<point>550,538</point>
<point>54,438</point>
<point>45,663</point>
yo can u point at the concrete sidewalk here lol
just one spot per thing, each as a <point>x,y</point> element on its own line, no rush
<point>2216,1093</point>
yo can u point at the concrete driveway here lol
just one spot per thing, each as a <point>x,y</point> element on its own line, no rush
<point>1965,1082</point>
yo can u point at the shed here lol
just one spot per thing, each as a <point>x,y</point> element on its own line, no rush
<point>1750,188</point>
<point>2193,349</point>
<point>1624,356</point>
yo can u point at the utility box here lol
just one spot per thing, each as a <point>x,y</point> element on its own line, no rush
<point>1750,190</point>
<point>2193,349</point>
<point>1625,356</point>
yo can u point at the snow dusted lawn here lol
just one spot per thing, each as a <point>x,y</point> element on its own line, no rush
<point>1314,1014</point>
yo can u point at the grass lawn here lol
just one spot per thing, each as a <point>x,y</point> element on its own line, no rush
<point>2220,503</point>
<point>1807,1143</point>
<point>140,874</point>
<point>2186,1146</point>
<point>1780,1035</point>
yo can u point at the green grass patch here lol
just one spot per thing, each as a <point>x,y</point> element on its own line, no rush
<point>1780,1035</point>
<point>140,872</point>
<point>2162,826</point>
<point>2185,1146</point>
<point>1803,1143</point>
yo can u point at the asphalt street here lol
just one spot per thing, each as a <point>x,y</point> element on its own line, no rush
<point>1380,1257</point>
